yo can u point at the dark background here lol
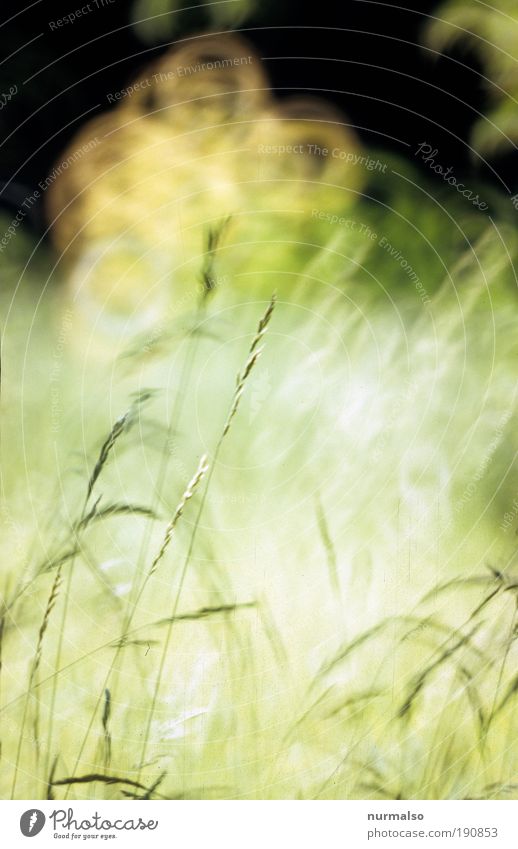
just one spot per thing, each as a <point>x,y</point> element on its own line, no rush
<point>391,88</point>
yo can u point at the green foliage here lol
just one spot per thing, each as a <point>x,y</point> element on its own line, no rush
<point>309,612</point>
<point>491,30</point>
<point>160,20</point>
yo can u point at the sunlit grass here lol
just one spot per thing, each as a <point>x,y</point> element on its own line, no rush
<point>256,546</point>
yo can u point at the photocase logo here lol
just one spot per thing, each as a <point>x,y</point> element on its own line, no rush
<point>31,822</point>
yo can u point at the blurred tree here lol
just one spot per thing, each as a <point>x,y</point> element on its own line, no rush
<point>491,30</point>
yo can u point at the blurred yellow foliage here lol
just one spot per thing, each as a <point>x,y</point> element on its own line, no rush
<point>196,137</point>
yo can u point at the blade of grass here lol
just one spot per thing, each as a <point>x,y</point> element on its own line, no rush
<point>253,355</point>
